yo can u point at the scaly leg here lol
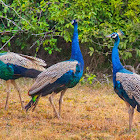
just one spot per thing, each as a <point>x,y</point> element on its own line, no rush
<point>61,100</point>
<point>131,114</point>
<point>8,91</point>
<point>51,101</point>
<point>17,88</point>
<point>127,105</point>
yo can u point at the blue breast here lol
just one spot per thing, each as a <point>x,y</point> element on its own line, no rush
<point>71,78</point>
<point>6,71</point>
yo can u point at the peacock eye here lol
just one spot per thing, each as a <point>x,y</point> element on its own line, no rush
<point>114,36</point>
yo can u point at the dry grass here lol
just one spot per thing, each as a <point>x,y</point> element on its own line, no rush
<point>87,114</point>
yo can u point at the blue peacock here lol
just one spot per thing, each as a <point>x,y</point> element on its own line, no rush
<point>126,83</point>
<point>59,77</point>
<point>14,66</point>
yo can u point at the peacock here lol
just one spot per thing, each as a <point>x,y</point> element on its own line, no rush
<point>14,66</point>
<point>126,83</point>
<point>59,77</point>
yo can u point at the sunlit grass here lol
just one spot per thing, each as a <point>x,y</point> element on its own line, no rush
<point>87,113</point>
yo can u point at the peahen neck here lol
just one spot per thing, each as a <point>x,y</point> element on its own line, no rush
<point>76,52</point>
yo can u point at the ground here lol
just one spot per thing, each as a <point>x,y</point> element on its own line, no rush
<point>88,113</point>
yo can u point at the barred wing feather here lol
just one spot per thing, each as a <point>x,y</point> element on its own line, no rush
<point>51,74</point>
<point>36,60</point>
<point>20,60</point>
<point>131,84</point>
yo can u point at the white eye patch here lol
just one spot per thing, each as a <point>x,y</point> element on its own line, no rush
<point>114,36</point>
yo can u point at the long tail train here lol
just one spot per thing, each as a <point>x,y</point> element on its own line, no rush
<point>32,104</point>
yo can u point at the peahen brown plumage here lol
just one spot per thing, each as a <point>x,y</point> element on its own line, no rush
<point>14,66</point>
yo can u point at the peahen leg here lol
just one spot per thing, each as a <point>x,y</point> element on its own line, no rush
<point>51,101</point>
<point>17,88</point>
<point>61,100</point>
<point>8,91</point>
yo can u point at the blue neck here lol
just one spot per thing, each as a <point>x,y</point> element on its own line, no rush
<point>115,57</point>
<point>76,52</point>
<point>117,66</point>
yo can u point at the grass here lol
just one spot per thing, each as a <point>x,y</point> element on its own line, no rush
<point>88,113</point>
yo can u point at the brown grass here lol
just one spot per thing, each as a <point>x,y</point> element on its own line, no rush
<point>87,114</point>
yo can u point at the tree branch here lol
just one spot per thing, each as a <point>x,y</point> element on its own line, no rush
<point>15,12</point>
<point>7,42</point>
<point>11,21</point>
<point>9,31</point>
<point>98,43</point>
<point>131,68</point>
<point>3,23</point>
<point>137,68</point>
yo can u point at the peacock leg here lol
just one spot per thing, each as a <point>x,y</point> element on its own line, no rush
<point>127,105</point>
<point>51,101</point>
<point>131,114</point>
<point>61,100</point>
<point>8,91</point>
<point>17,88</point>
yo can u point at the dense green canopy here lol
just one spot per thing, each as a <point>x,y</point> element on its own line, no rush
<point>35,23</point>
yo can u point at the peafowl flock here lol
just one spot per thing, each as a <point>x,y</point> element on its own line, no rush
<point>59,77</point>
<point>14,66</point>
<point>126,83</point>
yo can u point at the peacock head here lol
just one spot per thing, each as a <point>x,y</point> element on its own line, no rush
<point>74,22</point>
<point>116,35</point>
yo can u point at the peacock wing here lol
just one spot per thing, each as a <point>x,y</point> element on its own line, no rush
<point>20,60</point>
<point>131,84</point>
<point>36,60</point>
<point>51,74</point>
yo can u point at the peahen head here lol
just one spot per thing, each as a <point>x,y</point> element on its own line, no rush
<point>115,36</point>
<point>74,22</point>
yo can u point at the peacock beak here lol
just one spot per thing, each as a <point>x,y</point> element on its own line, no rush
<point>109,36</point>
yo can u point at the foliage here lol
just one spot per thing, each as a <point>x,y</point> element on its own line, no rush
<point>32,24</point>
<point>88,77</point>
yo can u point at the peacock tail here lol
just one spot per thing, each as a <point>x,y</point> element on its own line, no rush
<point>23,60</point>
<point>131,85</point>
<point>33,102</point>
<point>14,66</point>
